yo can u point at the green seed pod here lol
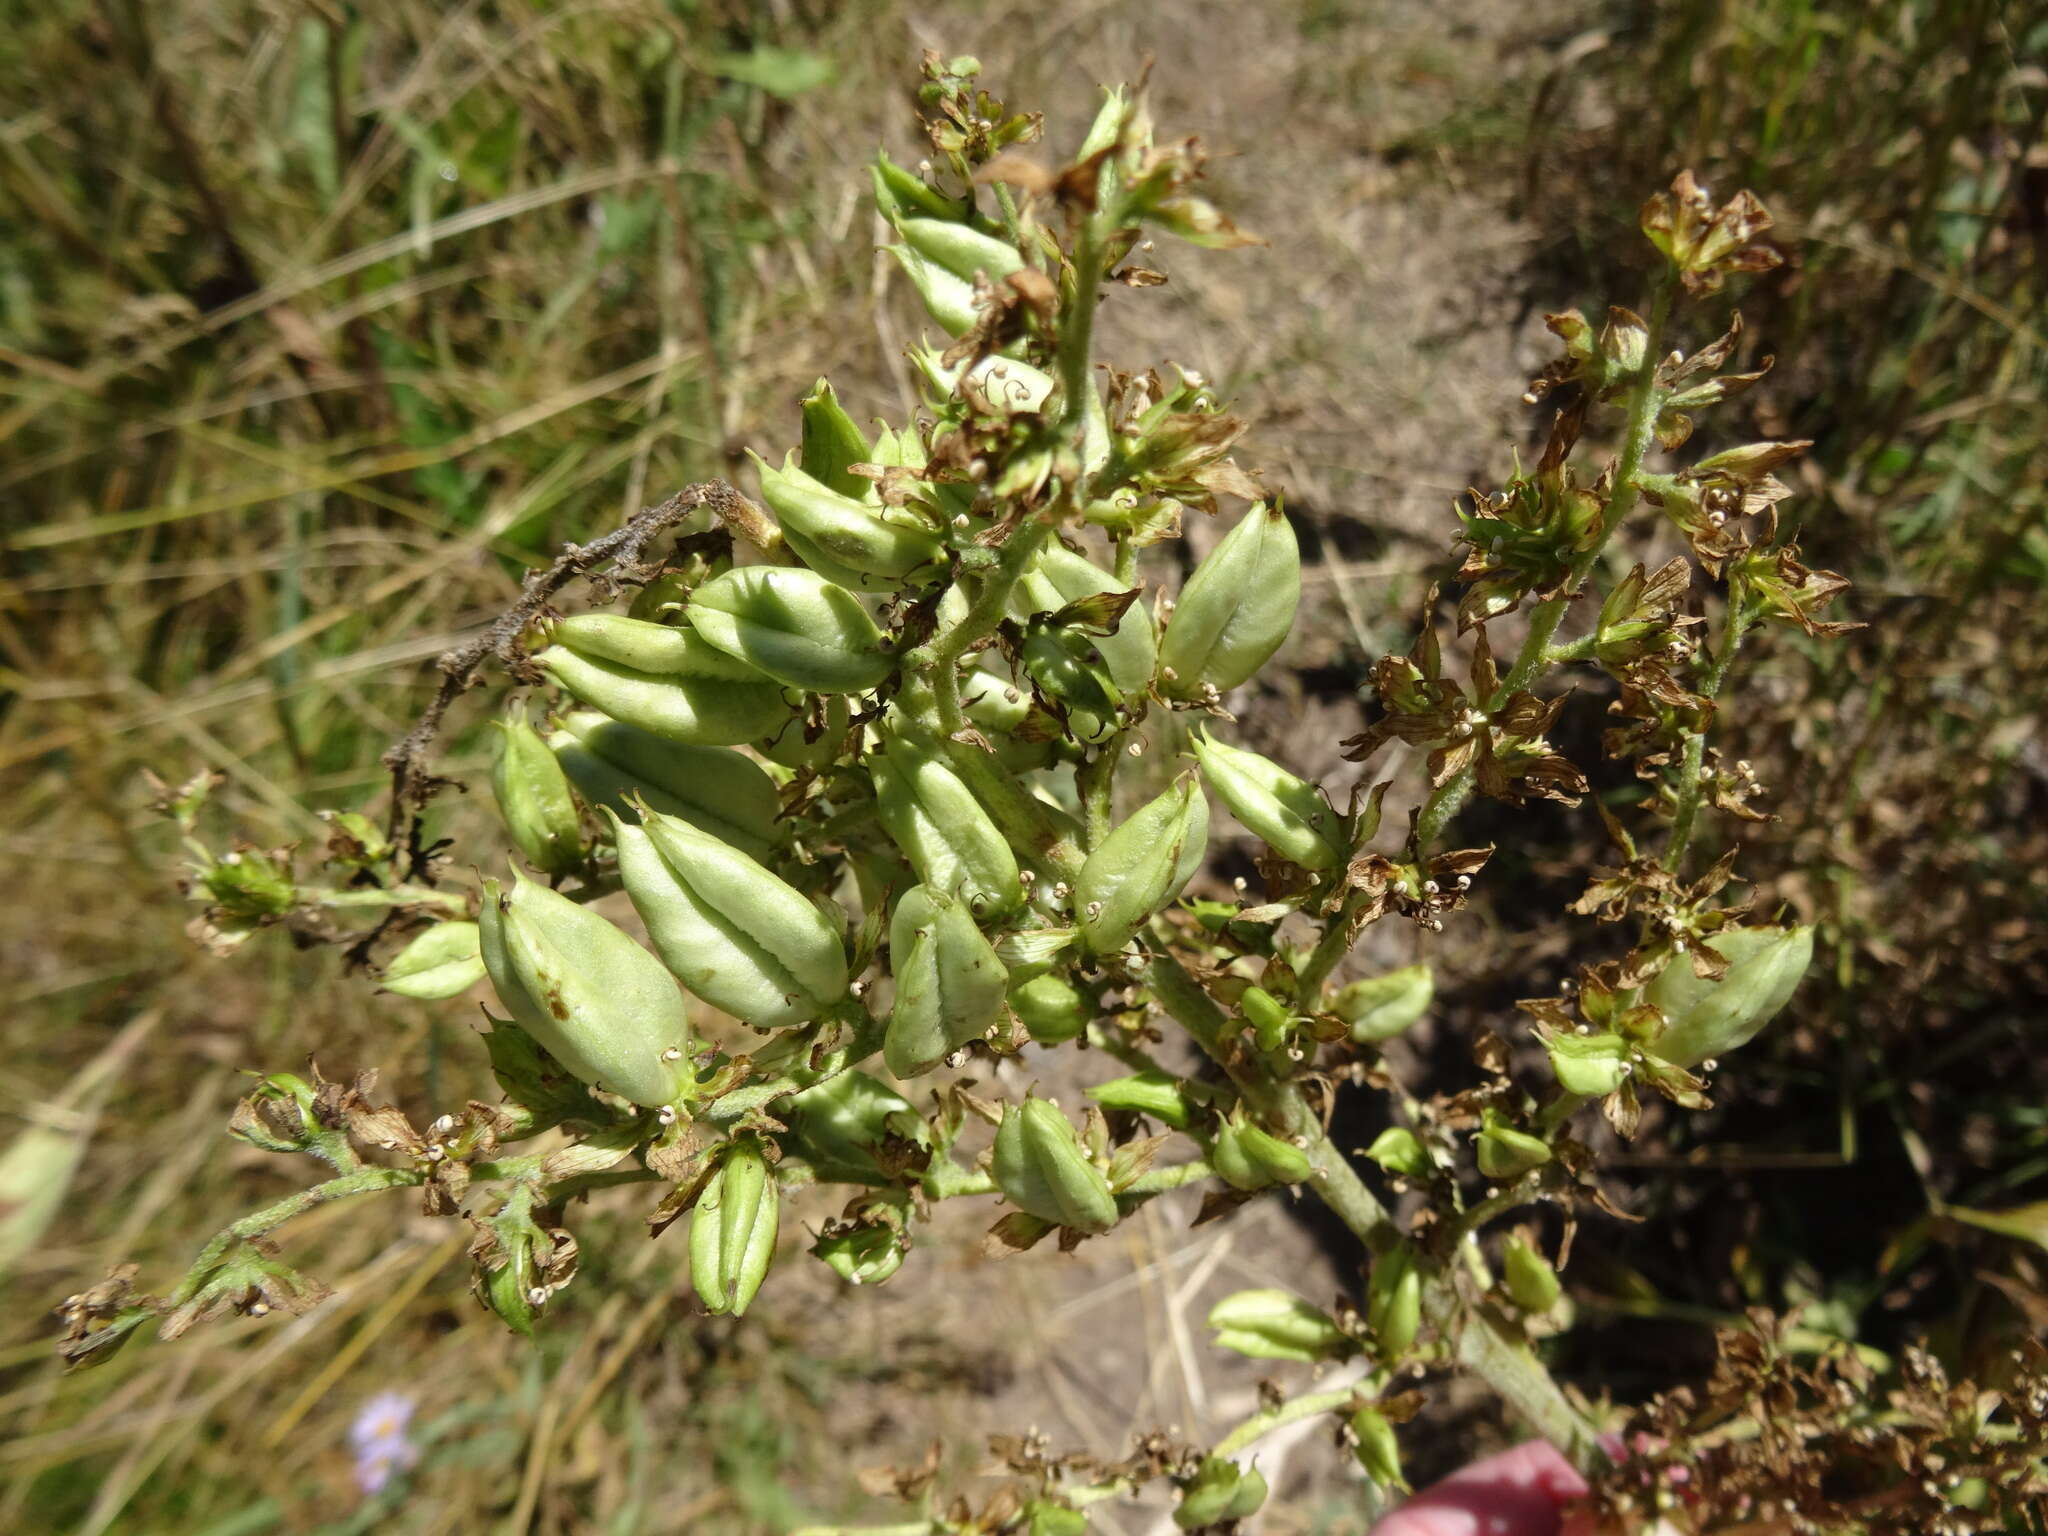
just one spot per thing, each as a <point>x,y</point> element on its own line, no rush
<point>1046,1519</point>
<point>1052,1009</point>
<point>1277,1325</point>
<point>1251,1495</point>
<point>715,789</point>
<point>796,626</point>
<point>846,531</point>
<point>734,933</point>
<point>1141,866</point>
<point>1378,1449</point>
<point>951,842</point>
<point>732,1229</point>
<point>1108,125</point>
<point>1131,652</point>
<point>508,1289</point>
<point>1506,1153</point>
<point>1289,813</point>
<point>950,986</point>
<point>445,960</point>
<point>836,1126</point>
<point>1235,609</point>
<point>947,299</point>
<point>901,193</point>
<point>862,1255</point>
<point>535,800</point>
<point>1066,669</point>
<point>1399,1151</point>
<point>1381,1007</point>
<point>995,386</point>
<point>1207,1496</point>
<point>1271,1023</point>
<point>1158,1094</point>
<point>1531,1282</point>
<point>1248,1156</point>
<point>959,248</point>
<point>999,709</point>
<point>831,442</point>
<point>1706,1019</point>
<point>1591,1065</point>
<point>1040,1167</point>
<point>1393,1302</point>
<point>666,650</point>
<point>695,711</point>
<point>596,1001</point>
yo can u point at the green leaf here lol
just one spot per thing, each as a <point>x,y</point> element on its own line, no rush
<point>778,71</point>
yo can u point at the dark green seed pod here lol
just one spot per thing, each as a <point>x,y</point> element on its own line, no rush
<point>794,625</point>
<point>1040,1167</point>
<point>1141,866</point>
<point>950,986</point>
<point>1236,608</point>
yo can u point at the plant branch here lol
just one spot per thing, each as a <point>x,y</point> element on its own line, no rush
<point>1259,1425</point>
<point>1644,402</point>
<point>1481,1339</point>
<point>1686,813</point>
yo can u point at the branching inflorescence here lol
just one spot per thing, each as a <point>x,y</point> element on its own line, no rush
<point>906,772</point>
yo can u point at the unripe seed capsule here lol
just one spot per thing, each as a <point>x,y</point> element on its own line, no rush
<point>949,984</point>
<point>1052,1009</point>
<point>1289,813</point>
<point>445,960</point>
<point>1382,1007</point>
<point>666,650</point>
<point>794,625</point>
<point>959,249</point>
<point>1506,1153</point>
<point>1207,1497</point>
<point>947,299</point>
<point>1712,1018</point>
<point>1377,1448</point>
<point>715,789</point>
<point>535,800</point>
<point>733,1230</point>
<point>734,933</point>
<point>1158,1094</point>
<point>832,441</point>
<point>696,711</point>
<point>1038,1164</point>
<point>1142,865</point>
<point>1531,1282</point>
<point>1248,1156</point>
<point>1236,608</point>
<point>596,1001</point>
<point>848,533</point>
<point>1393,1301</point>
<point>1273,1324</point>
<point>941,826</point>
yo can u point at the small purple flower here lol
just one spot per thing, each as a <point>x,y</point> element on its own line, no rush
<point>378,1437</point>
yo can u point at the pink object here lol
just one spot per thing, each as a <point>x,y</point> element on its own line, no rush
<point>1520,1492</point>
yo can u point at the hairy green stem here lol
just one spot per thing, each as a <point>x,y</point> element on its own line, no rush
<point>1264,1423</point>
<point>1330,948</point>
<point>363,1181</point>
<point>1686,813</point>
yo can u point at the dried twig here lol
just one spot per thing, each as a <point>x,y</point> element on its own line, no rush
<point>413,783</point>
